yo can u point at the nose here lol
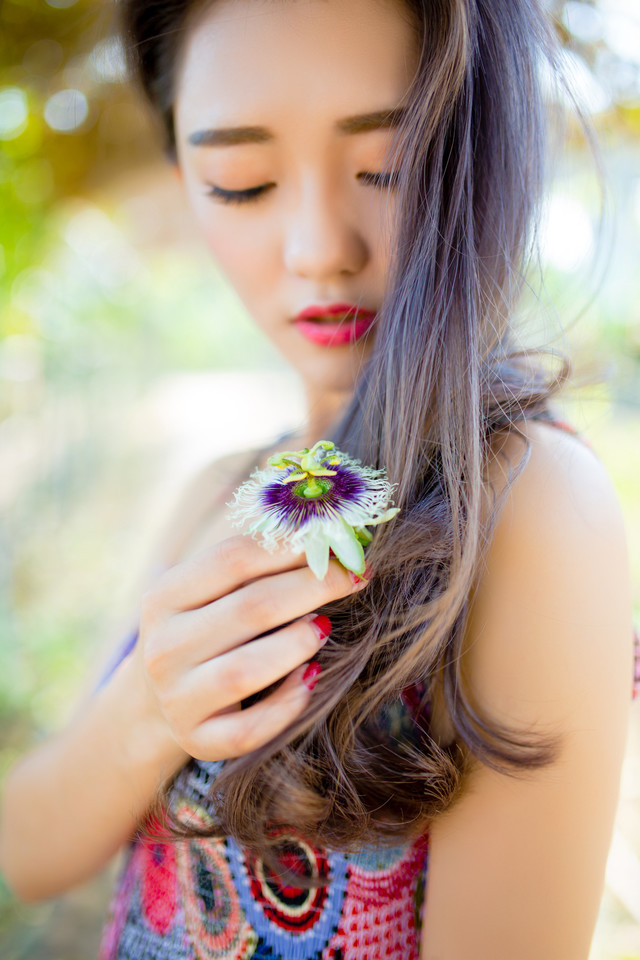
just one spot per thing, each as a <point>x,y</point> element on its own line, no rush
<point>320,241</point>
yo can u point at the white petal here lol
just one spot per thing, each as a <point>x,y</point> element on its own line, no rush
<point>387,515</point>
<point>265,522</point>
<point>316,548</point>
<point>346,546</point>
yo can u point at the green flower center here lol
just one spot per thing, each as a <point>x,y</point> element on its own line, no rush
<point>312,487</point>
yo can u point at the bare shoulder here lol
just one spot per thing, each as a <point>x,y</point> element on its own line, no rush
<point>548,650</point>
<point>202,497</point>
<point>563,481</point>
<point>553,594</point>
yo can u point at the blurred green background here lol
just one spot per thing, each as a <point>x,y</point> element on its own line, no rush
<point>122,354</point>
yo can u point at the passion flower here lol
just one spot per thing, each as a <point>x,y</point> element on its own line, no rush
<point>315,500</point>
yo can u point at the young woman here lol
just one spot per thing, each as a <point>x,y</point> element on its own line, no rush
<point>438,776</point>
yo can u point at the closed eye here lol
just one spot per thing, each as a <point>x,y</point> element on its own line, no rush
<point>238,196</point>
<point>380,180</point>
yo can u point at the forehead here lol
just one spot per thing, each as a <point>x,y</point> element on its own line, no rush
<point>295,57</point>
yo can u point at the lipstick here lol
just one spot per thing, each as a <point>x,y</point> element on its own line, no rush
<point>334,325</point>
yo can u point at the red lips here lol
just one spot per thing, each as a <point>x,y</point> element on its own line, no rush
<point>347,310</point>
<point>344,323</point>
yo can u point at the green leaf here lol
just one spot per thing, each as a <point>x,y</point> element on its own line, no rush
<point>363,535</point>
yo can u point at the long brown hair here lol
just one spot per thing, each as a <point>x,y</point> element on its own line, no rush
<point>442,384</point>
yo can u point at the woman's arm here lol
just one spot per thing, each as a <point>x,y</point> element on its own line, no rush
<point>94,771</point>
<point>74,800</point>
<point>517,866</point>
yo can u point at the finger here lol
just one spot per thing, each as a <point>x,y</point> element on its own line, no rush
<point>263,605</point>
<point>236,734</point>
<point>250,668</point>
<point>215,572</point>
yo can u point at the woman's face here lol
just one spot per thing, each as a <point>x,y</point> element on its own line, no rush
<point>281,140</point>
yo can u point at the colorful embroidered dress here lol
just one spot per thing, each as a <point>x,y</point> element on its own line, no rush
<point>212,899</point>
<point>207,899</point>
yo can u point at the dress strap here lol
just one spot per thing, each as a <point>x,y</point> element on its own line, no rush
<point>121,653</point>
<point>553,421</point>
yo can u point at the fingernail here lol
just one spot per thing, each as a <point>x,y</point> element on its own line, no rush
<point>362,578</point>
<point>312,674</point>
<point>322,626</point>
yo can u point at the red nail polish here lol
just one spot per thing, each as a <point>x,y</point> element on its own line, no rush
<point>322,625</point>
<point>311,675</point>
<point>363,578</point>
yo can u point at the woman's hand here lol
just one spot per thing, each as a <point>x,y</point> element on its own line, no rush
<point>202,649</point>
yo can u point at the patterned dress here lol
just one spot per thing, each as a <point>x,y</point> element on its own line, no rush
<point>212,899</point>
<point>209,899</point>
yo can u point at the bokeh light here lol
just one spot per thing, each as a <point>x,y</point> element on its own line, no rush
<point>107,61</point>
<point>66,110</point>
<point>14,111</point>
<point>567,237</point>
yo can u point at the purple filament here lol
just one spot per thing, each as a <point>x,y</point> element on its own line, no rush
<point>293,510</point>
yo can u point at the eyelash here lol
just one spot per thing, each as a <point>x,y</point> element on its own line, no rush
<point>380,180</point>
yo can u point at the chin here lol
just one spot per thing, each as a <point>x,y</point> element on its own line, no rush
<point>328,370</point>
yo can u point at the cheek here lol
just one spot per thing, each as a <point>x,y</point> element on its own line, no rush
<point>378,223</point>
<point>244,248</point>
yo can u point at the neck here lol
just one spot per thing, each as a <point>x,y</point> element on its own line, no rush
<point>323,409</point>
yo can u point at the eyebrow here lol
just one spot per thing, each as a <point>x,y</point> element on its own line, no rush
<point>236,136</point>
